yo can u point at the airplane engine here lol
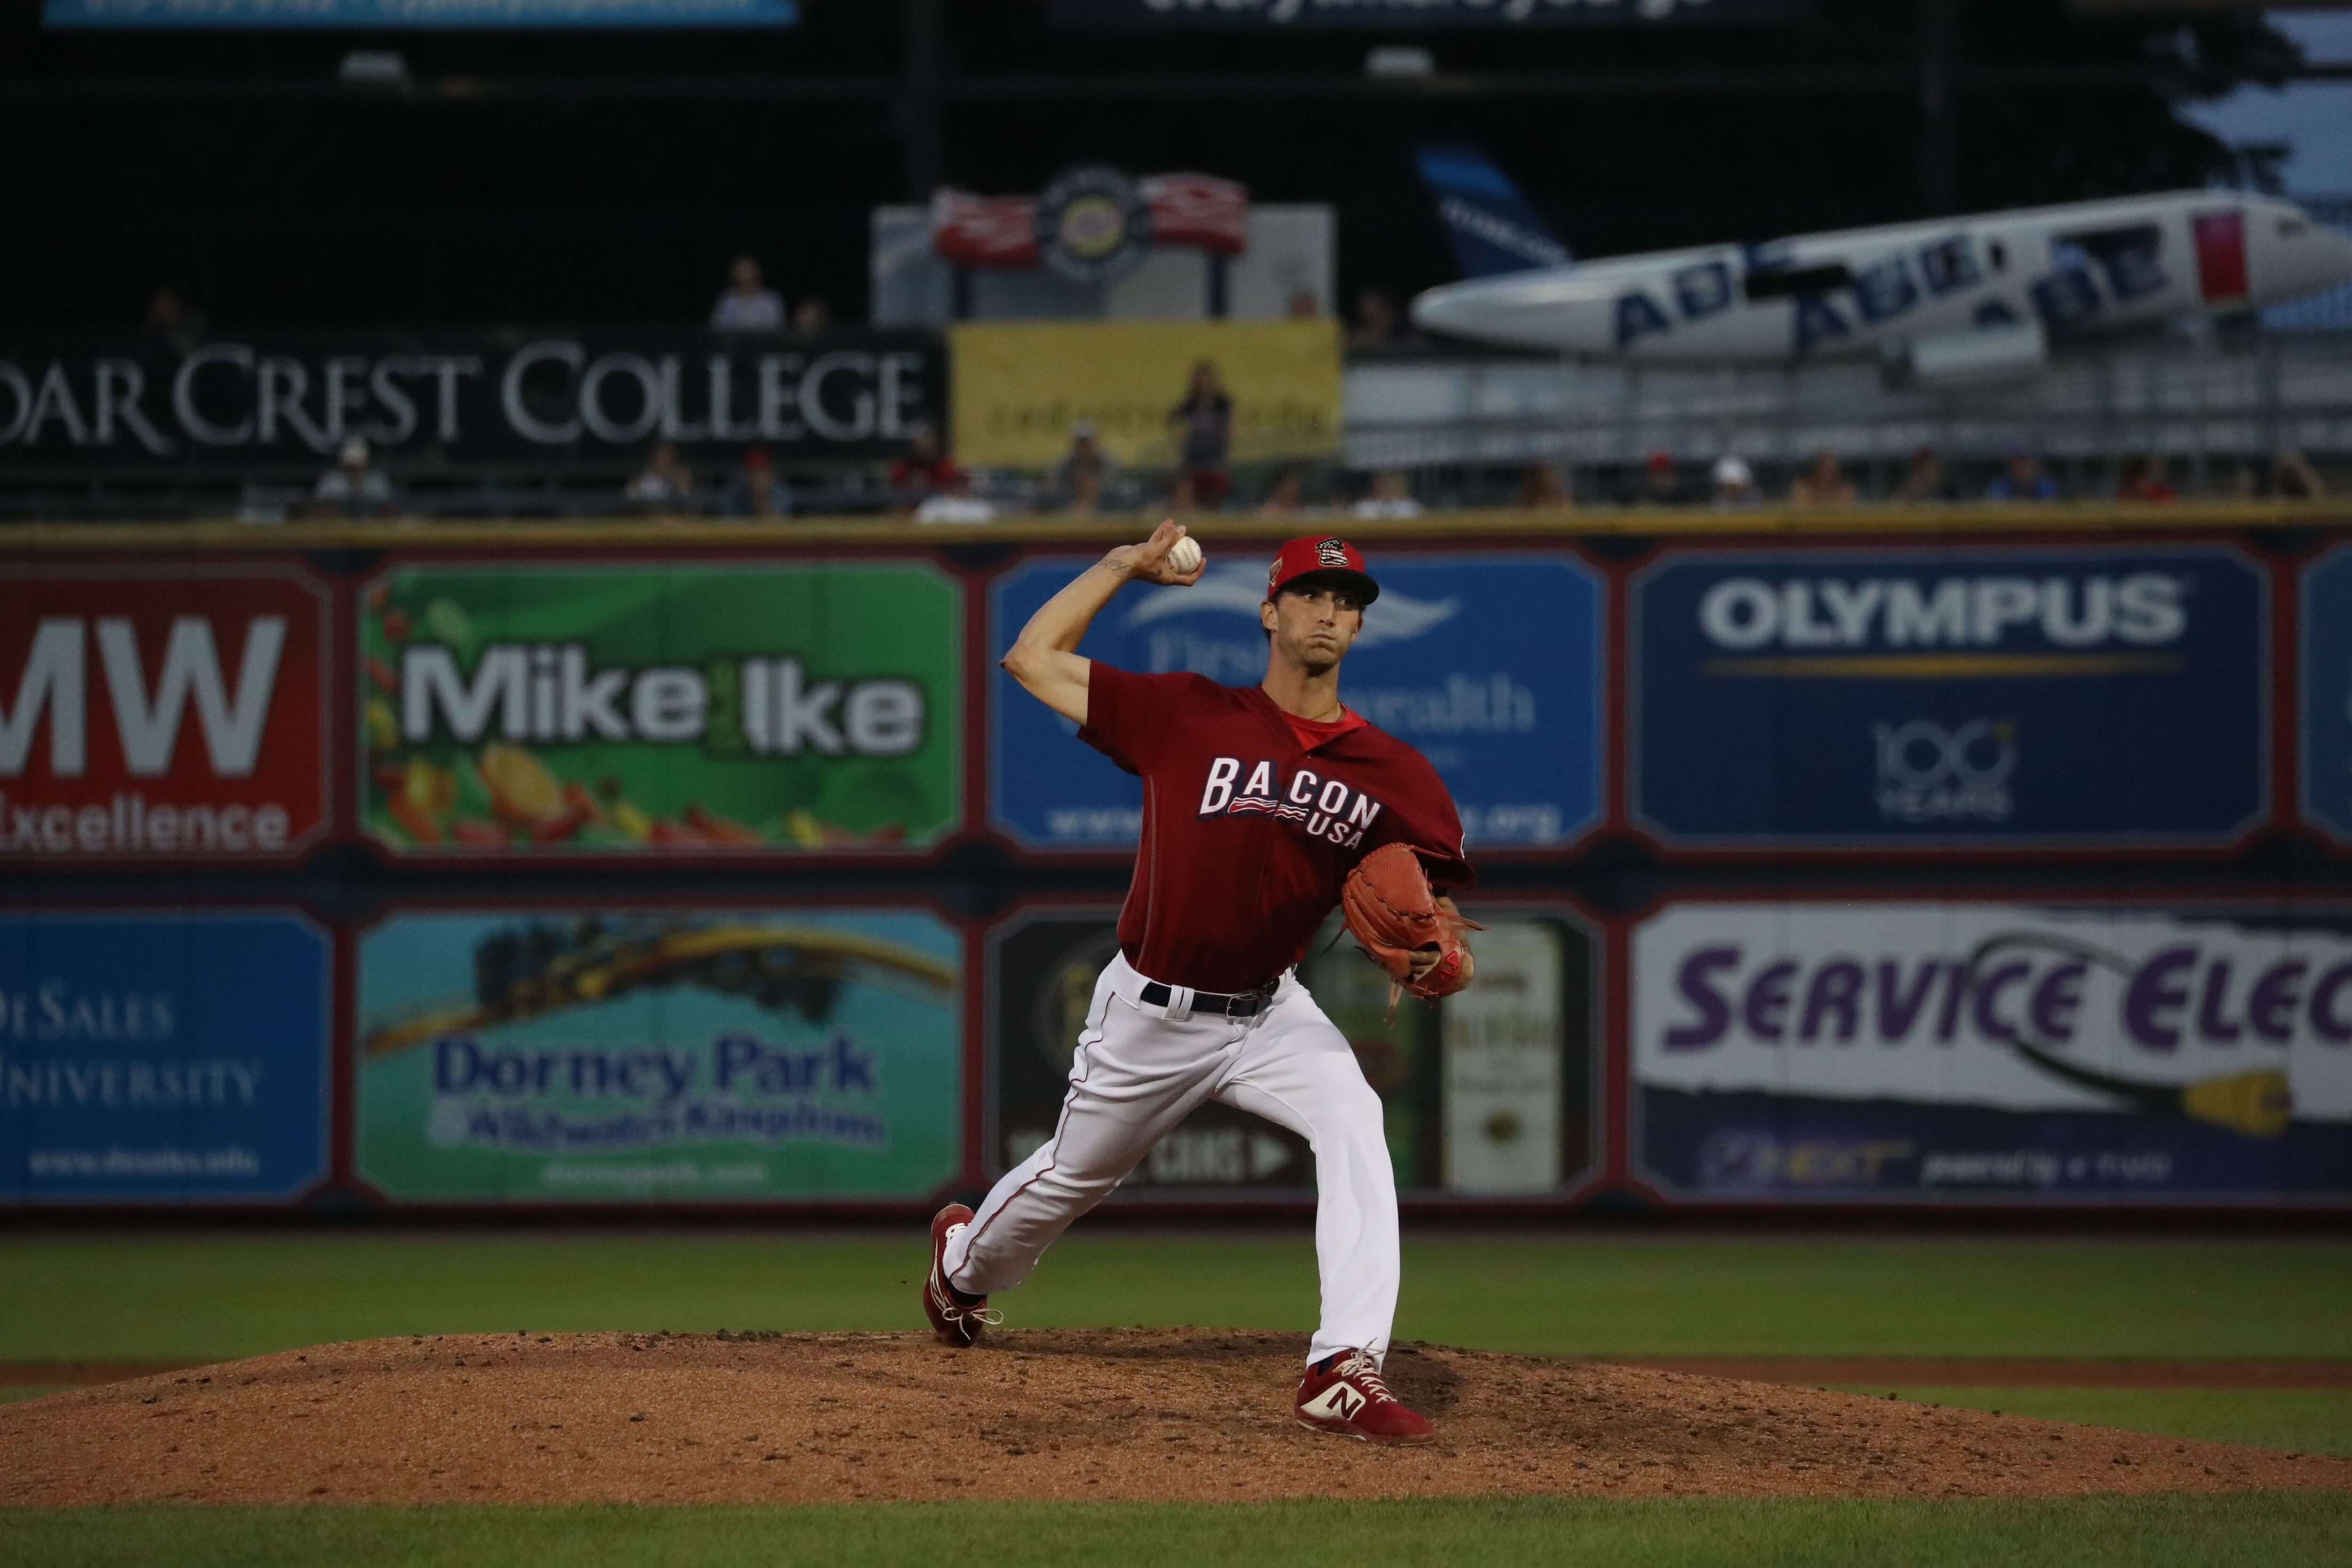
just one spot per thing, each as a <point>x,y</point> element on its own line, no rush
<point>1979,354</point>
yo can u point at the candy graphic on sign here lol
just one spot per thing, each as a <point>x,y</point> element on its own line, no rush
<point>762,709</point>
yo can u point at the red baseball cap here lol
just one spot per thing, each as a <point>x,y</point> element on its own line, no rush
<point>1310,555</point>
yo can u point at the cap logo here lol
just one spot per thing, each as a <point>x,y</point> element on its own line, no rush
<point>1331,551</point>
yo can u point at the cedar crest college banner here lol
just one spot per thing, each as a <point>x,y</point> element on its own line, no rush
<point>515,394</point>
<point>1109,14</point>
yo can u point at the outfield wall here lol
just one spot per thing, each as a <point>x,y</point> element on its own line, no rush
<point>1988,857</point>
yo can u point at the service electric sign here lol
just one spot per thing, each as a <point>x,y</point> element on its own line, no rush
<point>171,712</point>
<point>1873,1049</point>
<point>2051,697</point>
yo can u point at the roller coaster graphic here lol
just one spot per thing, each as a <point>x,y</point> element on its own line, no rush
<point>537,970</point>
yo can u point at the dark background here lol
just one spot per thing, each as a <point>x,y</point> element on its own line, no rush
<point>607,177</point>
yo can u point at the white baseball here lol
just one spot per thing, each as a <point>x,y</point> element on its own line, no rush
<point>1184,555</point>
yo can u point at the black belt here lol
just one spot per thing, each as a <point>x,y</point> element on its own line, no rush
<point>1244,1005</point>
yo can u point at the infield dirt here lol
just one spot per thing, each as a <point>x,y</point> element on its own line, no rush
<point>1161,1414</point>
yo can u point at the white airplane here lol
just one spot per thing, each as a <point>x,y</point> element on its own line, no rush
<point>1949,298</point>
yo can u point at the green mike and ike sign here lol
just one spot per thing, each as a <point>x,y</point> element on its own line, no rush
<point>769,708</point>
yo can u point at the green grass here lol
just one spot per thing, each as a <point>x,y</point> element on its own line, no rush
<point>11,1392</point>
<point>97,1297</point>
<point>2316,1421</point>
<point>2087,1532</point>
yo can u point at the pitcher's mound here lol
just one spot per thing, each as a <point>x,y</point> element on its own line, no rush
<point>1150,1414</point>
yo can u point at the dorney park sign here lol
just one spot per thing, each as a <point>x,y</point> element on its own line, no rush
<point>463,397</point>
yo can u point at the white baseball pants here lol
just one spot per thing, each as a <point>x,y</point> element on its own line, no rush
<point>1139,1070</point>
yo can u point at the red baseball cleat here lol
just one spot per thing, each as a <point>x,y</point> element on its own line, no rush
<point>1344,1394</point>
<point>955,1316</point>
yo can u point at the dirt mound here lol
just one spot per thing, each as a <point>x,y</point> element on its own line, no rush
<point>1151,1414</point>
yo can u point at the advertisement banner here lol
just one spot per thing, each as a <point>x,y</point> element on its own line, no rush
<point>1274,15</point>
<point>646,1056</point>
<point>162,711</point>
<point>2326,664</point>
<point>1020,387</point>
<point>1489,1094</point>
<point>438,15</point>
<point>1930,1051</point>
<point>177,1058</point>
<point>2050,697</point>
<point>459,396</point>
<point>726,707</point>
<point>1491,666</point>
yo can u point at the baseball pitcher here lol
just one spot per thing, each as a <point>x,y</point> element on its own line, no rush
<point>1262,806</point>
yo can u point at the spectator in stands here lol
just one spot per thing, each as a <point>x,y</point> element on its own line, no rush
<point>354,487</point>
<point>1084,472</point>
<point>812,314</point>
<point>1203,422</point>
<point>1541,488</point>
<point>1284,498</point>
<point>746,305</point>
<point>664,485</point>
<point>1660,484</point>
<point>1376,319</point>
<point>1923,478</point>
<point>2142,480</point>
<point>925,471</point>
<point>956,503</point>
<point>1823,484</point>
<point>170,318</point>
<point>1390,495</point>
<point>2022,478</point>
<point>1735,483</point>
<point>2294,478</point>
<point>756,491</point>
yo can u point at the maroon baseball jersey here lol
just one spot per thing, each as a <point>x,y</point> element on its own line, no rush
<point>1247,833</point>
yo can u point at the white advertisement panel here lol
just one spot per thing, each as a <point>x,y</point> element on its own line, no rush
<point>1933,1048</point>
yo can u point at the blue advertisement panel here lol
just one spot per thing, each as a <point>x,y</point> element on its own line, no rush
<point>2326,660</point>
<point>1274,16</point>
<point>383,16</point>
<point>1866,1050</point>
<point>622,1055</point>
<point>162,1057</point>
<point>2048,697</point>
<point>1491,665</point>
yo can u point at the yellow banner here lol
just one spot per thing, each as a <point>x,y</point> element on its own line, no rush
<point>1020,387</point>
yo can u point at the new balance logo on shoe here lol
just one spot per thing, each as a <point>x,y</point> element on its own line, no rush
<point>1345,1397</point>
<point>1338,1403</point>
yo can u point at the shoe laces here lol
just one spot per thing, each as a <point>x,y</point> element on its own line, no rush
<point>987,1317</point>
<point>1358,1370</point>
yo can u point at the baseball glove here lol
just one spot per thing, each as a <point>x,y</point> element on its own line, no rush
<point>1389,905</point>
